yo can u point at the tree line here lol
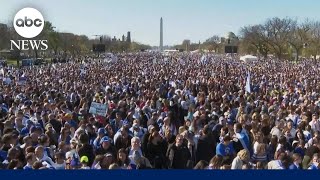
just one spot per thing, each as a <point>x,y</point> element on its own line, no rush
<point>285,38</point>
<point>63,43</point>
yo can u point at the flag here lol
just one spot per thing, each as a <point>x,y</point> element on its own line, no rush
<point>204,59</point>
<point>248,88</point>
<point>2,72</point>
<point>22,79</point>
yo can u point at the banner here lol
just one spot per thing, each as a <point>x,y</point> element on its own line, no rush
<point>98,109</point>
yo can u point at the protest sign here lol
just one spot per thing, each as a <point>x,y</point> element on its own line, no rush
<point>98,109</point>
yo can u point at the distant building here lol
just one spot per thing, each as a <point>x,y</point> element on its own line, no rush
<point>128,37</point>
<point>123,38</point>
<point>230,42</point>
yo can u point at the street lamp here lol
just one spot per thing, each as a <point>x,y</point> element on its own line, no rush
<point>72,50</point>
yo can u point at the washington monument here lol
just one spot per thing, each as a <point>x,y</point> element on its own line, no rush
<point>161,35</point>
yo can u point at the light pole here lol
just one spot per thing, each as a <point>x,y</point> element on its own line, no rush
<point>72,50</point>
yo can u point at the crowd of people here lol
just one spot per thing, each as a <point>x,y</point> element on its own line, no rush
<point>180,111</point>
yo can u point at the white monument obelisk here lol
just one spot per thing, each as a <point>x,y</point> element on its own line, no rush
<point>161,34</point>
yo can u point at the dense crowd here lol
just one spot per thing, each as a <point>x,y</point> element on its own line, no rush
<point>180,111</point>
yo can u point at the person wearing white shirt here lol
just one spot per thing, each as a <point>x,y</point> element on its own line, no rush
<point>135,146</point>
<point>315,124</point>
<point>291,129</point>
<point>276,130</point>
<point>39,151</point>
<point>73,151</point>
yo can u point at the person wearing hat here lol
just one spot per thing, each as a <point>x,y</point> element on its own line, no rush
<point>108,160</point>
<point>106,147</point>
<point>86,149</point>
<point>84,160</point>
<point>136,130</point>
<point>101,133</point>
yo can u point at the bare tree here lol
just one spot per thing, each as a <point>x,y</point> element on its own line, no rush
<point>255,38</point>
<point>314,40</point>
<point>213,43</point>
<point>298,37</point>
<point>278,32</point>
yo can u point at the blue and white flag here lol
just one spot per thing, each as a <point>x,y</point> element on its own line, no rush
<point>204,59</point>
<point>2,72</point>
<point>22,79</point>
<point>248,87</point>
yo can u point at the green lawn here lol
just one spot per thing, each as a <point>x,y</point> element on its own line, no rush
<point>14,61</point>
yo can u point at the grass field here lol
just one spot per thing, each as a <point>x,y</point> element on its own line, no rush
<point>13,62</point>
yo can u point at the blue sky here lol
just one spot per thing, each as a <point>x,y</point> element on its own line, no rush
<point>183,19</point>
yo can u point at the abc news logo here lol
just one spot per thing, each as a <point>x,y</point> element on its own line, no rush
<point>29,23</point>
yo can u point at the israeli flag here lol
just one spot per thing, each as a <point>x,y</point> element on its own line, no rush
<point>248,88</point>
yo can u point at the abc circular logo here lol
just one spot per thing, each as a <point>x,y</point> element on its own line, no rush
<point>28,22</point>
